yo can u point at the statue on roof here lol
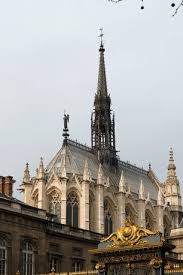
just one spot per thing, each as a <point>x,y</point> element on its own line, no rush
<point>65,130</point>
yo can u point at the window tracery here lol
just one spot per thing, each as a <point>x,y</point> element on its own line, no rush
<point>73,209</point>
<point>167,226</point>
<point>36,200</point>
<point>91,213</point>
<point>148,220</point>
<point>55,204</point>
<point>108,224</point>
<point>129,215</point>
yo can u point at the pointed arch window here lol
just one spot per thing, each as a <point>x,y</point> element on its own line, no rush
<point>129,214</point>
<point>91,212</point>
<point>3,257</point>
<point>55,204</point>
<point>36,199</point>
<point>73,210</point>
<point>28,259</point>
<point>167,226</point>
<point>108,224</point>
<point>148,219</point>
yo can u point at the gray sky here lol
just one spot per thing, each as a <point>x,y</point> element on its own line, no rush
<point>49,62</point>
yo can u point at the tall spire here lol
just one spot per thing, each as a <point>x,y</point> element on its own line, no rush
<point>102,121</point>
<point>102,83</point>
<point>171,165</point>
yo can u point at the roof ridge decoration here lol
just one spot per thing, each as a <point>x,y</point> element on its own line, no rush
<point>130,235</point>
<point>134,167</point>
<point>79,145</point>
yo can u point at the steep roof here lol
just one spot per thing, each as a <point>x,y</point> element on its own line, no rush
<point>74,156</point>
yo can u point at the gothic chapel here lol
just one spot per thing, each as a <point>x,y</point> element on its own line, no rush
<point>92,189</point>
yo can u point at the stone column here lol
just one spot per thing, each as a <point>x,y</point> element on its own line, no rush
<point>63,199</point>
<point>141,206</point>
<point>100,208</point>
<point>84,206</point>
<point>100,201</point>
<point>64,180</point>
<point>121,201</point>
<point>41,186</point>
<point>41,194</point>
<point>121,209</point>
<point>159,215</point>
<point>141,213</point>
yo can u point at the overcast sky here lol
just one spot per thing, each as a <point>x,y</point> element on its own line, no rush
<point>49,62</point>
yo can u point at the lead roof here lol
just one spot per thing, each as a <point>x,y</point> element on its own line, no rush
<point>74,156</point>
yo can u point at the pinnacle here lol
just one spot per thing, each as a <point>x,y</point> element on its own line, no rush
<point>141,191</point>
<point>171,164</point>
<point>26,177</point>
<point>86,172</point>
<point>102,83</point>
<point>40,171</point>
<point>122,185</point>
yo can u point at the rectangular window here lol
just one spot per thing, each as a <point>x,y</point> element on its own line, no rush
<point>3,261</point>
<point>76,266</point>
<point>27,263</point>
<point>55,263</point>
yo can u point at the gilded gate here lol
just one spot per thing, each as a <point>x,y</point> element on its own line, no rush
<point>134,250</point>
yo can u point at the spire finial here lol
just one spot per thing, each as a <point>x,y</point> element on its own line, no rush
<point>100,175</point>
<point>101,40</point>
<point>141,191</point>
<point>86,172</point>
<point>65,129</point>
<point>171,154</point>
<point>26,177</point>
<point>171,164</point>
<point>122,184</point>
<point>40,171</point>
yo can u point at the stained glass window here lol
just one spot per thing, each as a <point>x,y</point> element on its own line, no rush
<point>73,210</point>
<point>107,219</point>
<point>55,204</point>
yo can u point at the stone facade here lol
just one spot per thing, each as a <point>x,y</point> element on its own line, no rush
<point>32,240</point>
<point>91,188</point>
